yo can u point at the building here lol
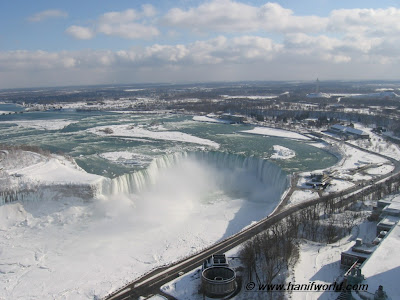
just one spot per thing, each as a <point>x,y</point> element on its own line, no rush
<point>318,180</point>
<point>383,267</point>
<point>357,254</point>
<point>216,260</point>
<point>387,223</point>
<point>377,266</point>
<point>389,214</point>
<point>348,132</point>
<point>218,280</point>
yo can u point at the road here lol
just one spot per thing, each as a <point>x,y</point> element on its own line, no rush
<point>151,283</point>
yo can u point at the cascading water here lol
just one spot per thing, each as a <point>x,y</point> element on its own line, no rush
<point>235,173</point>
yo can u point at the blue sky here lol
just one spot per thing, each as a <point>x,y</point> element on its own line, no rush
<point>50,43</point>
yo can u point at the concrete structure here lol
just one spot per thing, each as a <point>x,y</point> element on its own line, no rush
<point>389,214</point>
<point>377,265</point>
<point>318,180</point>
<point>218,280</point>
<point>393,209</point>
<point>383,267</point>
<point>386,224</point>
<point>348,132</point>
<point>356,254</point>
<point>216,260</point>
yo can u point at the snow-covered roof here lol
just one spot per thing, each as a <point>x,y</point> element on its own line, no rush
<point>393,207</point>
<point>383,267</point>
<point>396,199</point>
<point>362,250</point>
<point>389,220</point>
<point>350,130</point>
<point>355,253</point>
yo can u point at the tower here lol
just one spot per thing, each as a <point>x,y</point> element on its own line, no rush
<point>317,86</point>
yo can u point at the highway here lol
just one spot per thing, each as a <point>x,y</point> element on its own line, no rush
<point>150,283</point>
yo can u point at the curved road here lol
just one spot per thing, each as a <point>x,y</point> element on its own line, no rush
<point>151,283</point>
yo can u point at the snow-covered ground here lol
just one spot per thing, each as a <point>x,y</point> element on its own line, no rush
<point>355,158</point>
<point>251,97</point>
<point>384,169</point>
<point>276,132</point>
<point>55,124</point>
<point>126,157</point>
<point>209,120</point>
<point>377,143</point>
<point>302,195</point>
<point>281,152</point>
<point>187,286</point>
<point>26,169</point>
<point>320,263</point>
<point>130,130</point>
<point>105,105</point>
<point>337,186</point>
<point>354,166</point>
<point>69,248</point>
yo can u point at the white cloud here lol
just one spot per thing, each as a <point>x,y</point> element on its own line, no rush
<point>114,17</point>
<point>128,24</point>
<point>239,58</point>
<point>372,22</point>
<point>348,43</point>
<point>129,30</point>
<point>48,14</point>
<point>79,32</point>
<point>148,10</point>
<point>232,16</point>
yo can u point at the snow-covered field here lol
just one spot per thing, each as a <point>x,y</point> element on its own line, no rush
<point>25,169</point>
<point>209,120</point>
<point>69,248</point>
<point>56,124</point>
<point>377,143</point>
<point>301,196</point>
<point>139,132</point>
<point>384,169</point>
<point>320,263</point>
<point>354,166</point>
<point>125,157</point>
<point>276,132</point>
<point>250,97</point>
<point>281,152</point>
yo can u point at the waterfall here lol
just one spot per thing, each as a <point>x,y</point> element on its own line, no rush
<point>238,175</point>
<point>236,171</point>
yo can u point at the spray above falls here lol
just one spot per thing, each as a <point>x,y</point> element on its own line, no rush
<point>202,173</point>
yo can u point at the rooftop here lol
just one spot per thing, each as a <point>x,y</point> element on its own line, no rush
<point>383,267</point>
<point>389,220</point>
<point>350,130</point>
<point>361,250</point>
<point>393,206</point>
